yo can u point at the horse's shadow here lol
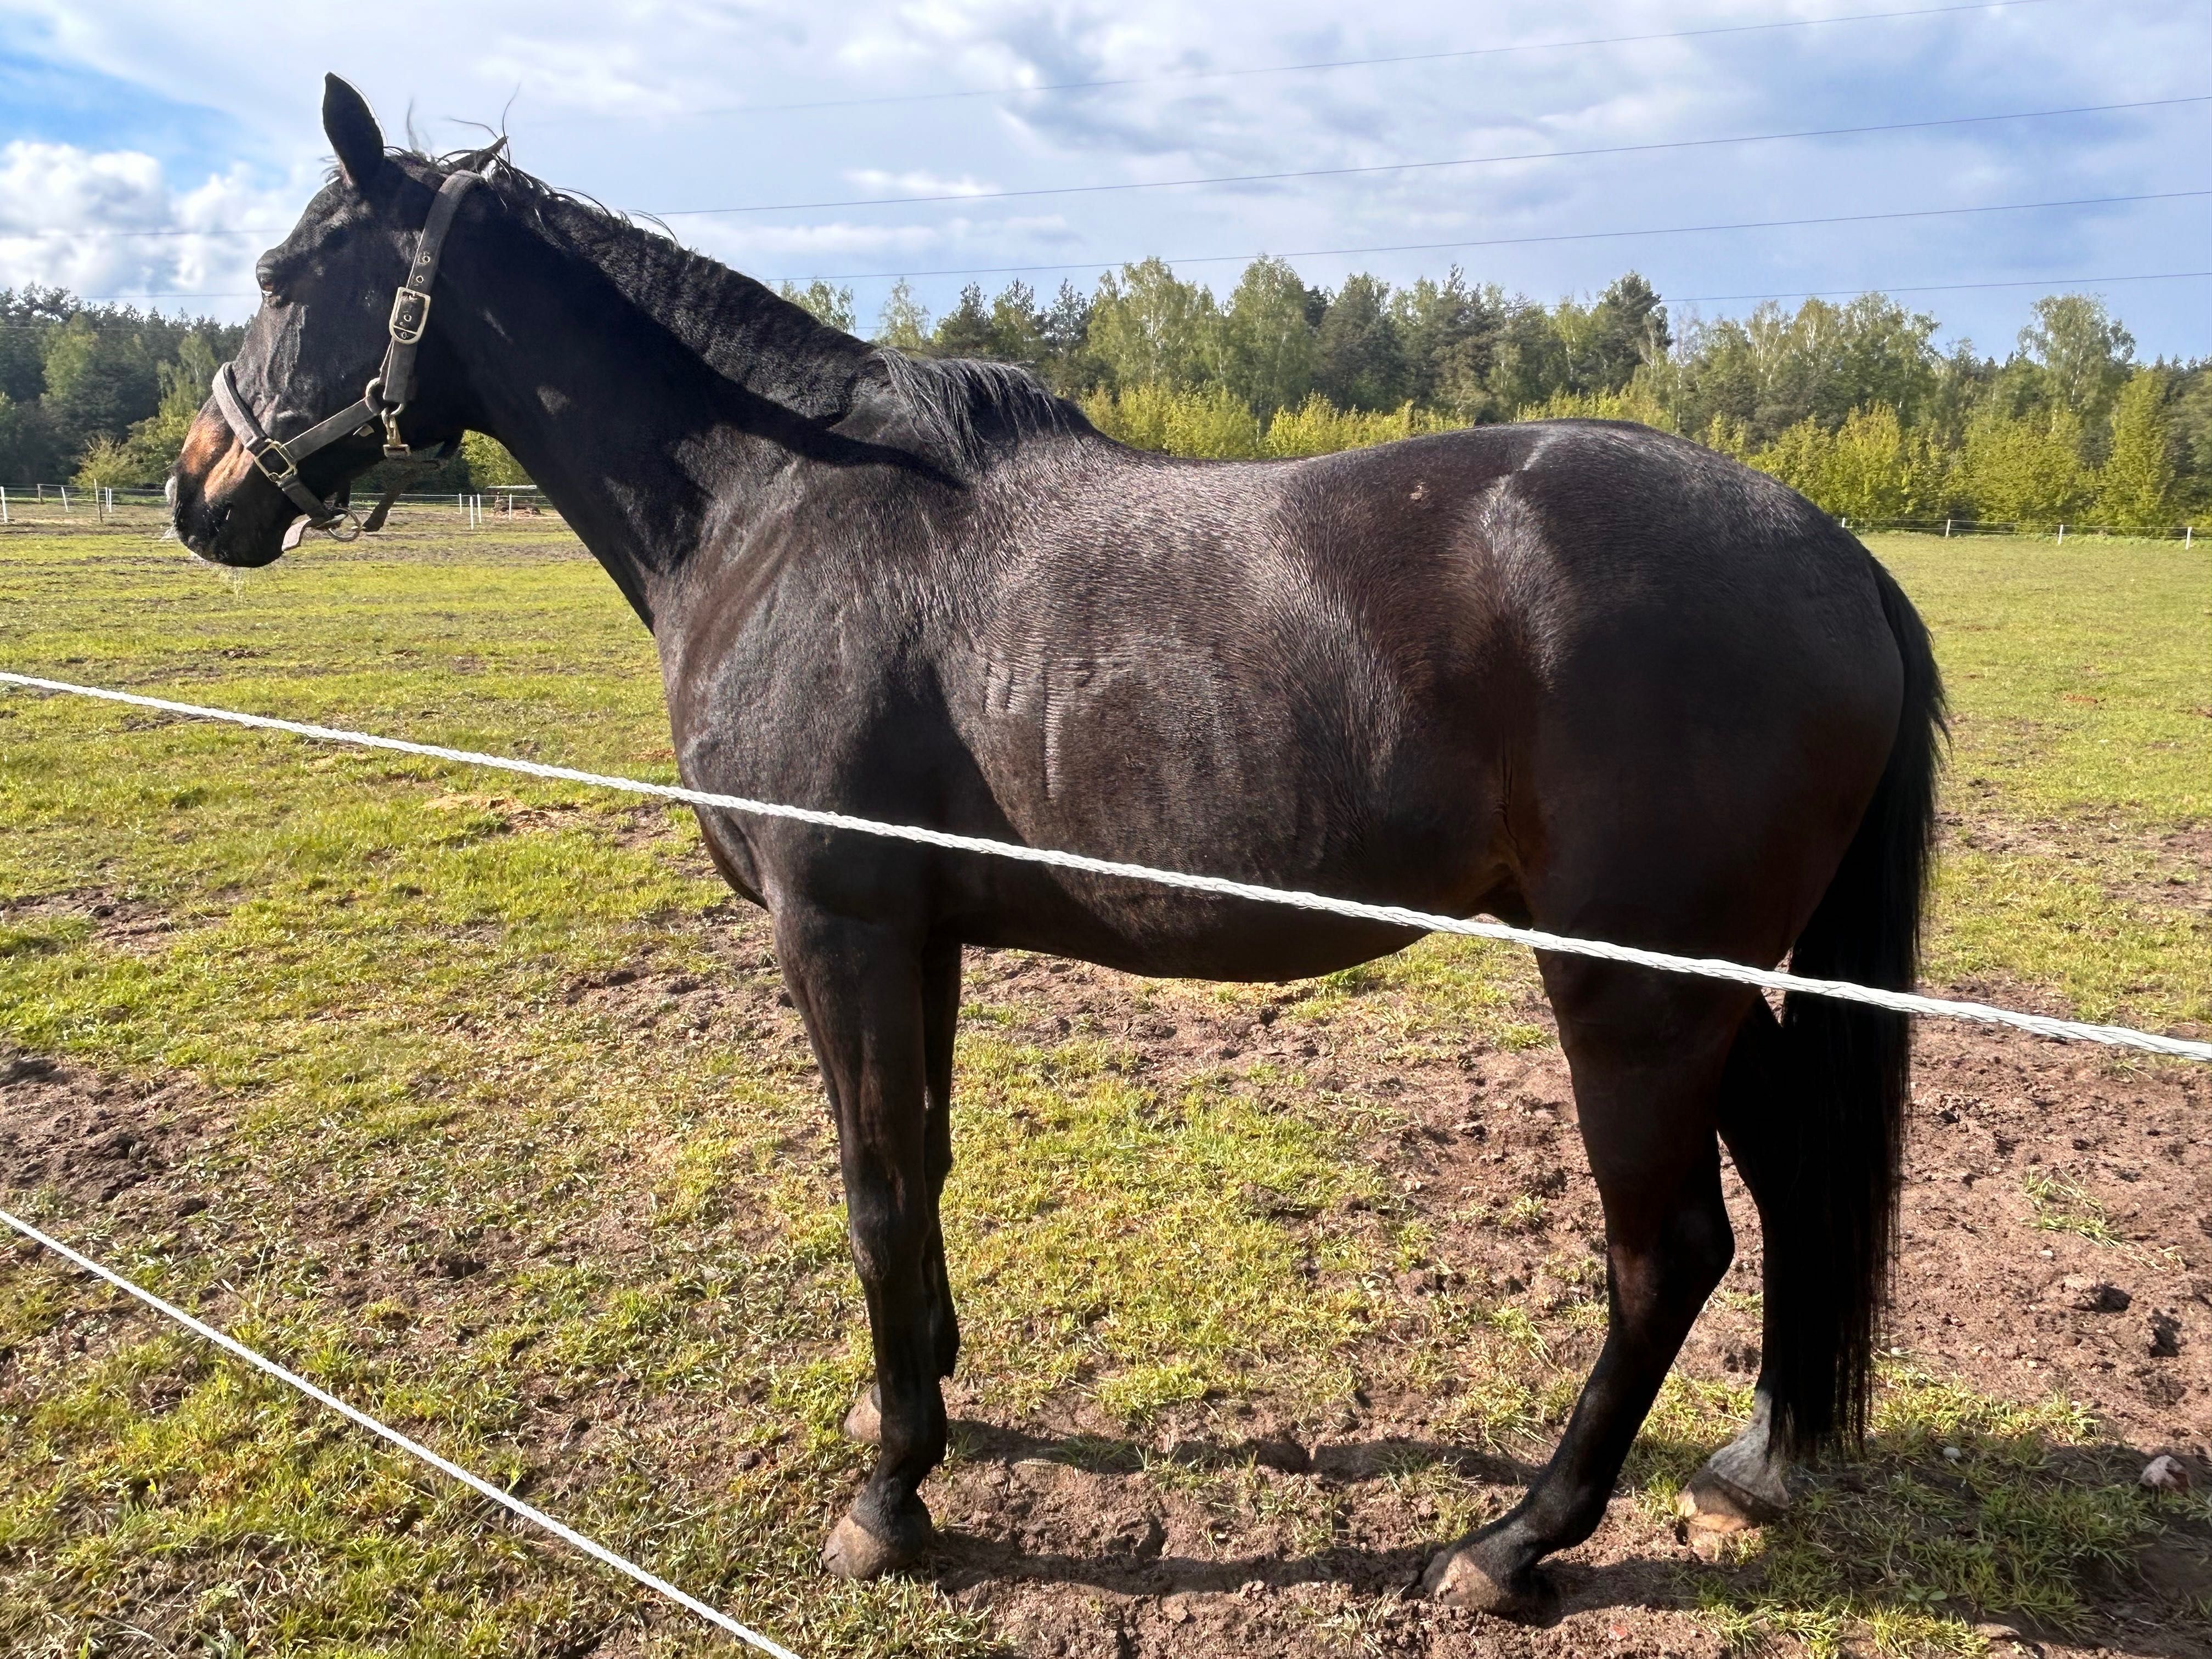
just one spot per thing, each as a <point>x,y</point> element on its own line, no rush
<point>1138,1566</point>
<point>1136,1562</point>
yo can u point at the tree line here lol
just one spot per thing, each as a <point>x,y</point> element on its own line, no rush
<point>1856,405</point>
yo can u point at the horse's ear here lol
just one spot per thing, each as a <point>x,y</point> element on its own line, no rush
<point>351,128</point>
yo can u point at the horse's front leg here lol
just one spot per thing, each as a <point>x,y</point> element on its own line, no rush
<point>858,987</point>
<point>940,1020</point>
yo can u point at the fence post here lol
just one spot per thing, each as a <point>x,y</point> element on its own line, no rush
<point>3,503</point>
<point>1947,529</point>
<point>65,506</point>
<point>2188,534</point>
<point>2062,535</point>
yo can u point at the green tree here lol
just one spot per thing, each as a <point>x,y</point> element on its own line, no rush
<point>2024,470</point>
<point>1359,361</point>
<point>30,451</point>
<point>2134,487</point>
<point>1799,457</point>
<point>1018,326</point>
<point>903,322</point>
<point>150,449</point>
<point>1626,328</point>
<point>2083,352</point>
<point>1211,422</point>
<point>964,331</point>
<point>1529,363</point>
<point>1267,349</point>
<point>1148,326</point>
<point>100,380</point>
<point>491,464</point>
<point>1064,342</point>
<point>1448,332</point>
<point>832,306</point>
<point>2190,414</point>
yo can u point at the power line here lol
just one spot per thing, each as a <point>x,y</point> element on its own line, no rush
<point>1455,162</point>
<point>1440,247</point>
<point>1253,178</point>
<point>1715,298</point>
<point>1944,287</point>
<point>1178,77</point>
<point>1516,241</point>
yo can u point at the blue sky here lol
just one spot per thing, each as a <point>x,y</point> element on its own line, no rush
<point>134,116</point>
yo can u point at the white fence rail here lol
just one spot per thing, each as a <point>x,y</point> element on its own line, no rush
<point>414,1449</point>
<point>1390,914</point>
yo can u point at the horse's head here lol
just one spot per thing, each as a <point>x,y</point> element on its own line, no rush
<point>316,347</point>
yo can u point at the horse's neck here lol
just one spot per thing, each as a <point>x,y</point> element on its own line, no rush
<point>641,444</point>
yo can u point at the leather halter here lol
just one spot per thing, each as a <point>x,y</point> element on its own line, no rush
<point>379,404</point>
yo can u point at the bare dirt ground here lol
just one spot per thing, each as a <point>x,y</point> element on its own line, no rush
<point>2057,1238</point>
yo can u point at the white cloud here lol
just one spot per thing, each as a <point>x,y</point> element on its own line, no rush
<point>110,223</point>
<point>658,104</point>
<point>918,183</point>
<point>746,247</point>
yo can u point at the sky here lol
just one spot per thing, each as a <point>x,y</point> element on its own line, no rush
<point>824,123</point>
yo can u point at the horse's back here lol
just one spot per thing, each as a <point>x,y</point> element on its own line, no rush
<point>1457,669</point>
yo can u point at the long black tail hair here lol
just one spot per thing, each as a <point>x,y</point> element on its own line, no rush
<point>1846,1080</point>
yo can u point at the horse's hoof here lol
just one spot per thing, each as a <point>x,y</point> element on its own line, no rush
<point>865,1422</point>
<point>1712,1503</point>
<point>1528,1597</point>
<point>856,1552</point>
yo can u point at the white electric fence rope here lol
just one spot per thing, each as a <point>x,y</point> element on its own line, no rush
<point>1391,915</point>
<point>536,1516</point>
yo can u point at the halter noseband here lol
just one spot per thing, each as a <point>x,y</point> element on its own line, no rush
<point>381,402</point>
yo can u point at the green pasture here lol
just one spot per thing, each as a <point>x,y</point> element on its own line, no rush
<point>460,1015</point>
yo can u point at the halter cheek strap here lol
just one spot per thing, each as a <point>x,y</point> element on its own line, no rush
<point>379,404</point>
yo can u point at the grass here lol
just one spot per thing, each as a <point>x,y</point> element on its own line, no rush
<point>2081,760</point>
<point>395,986</point>
<point>2061,1207</point>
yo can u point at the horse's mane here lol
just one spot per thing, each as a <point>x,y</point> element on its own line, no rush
<point>952,412</point>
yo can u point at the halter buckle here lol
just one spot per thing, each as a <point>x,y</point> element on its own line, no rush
<point>275,447</point>
<point>411,315</point>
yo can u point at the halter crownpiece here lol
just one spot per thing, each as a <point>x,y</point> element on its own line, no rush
<point>381,402</point>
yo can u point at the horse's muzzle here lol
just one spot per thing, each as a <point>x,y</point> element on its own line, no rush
<point>222,507</point>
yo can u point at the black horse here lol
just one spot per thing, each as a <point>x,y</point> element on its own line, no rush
<point>1576,674</point>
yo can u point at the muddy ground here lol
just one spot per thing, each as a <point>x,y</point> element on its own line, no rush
<point>1051,1525</point>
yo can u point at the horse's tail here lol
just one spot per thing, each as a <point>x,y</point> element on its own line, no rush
<point>1845,1081</point>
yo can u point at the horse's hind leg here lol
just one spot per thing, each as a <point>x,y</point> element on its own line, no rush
<point>1743,1485</point>
<point>1647,1052</point>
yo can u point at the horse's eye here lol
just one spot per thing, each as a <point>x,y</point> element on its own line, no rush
<point>266,277</point>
